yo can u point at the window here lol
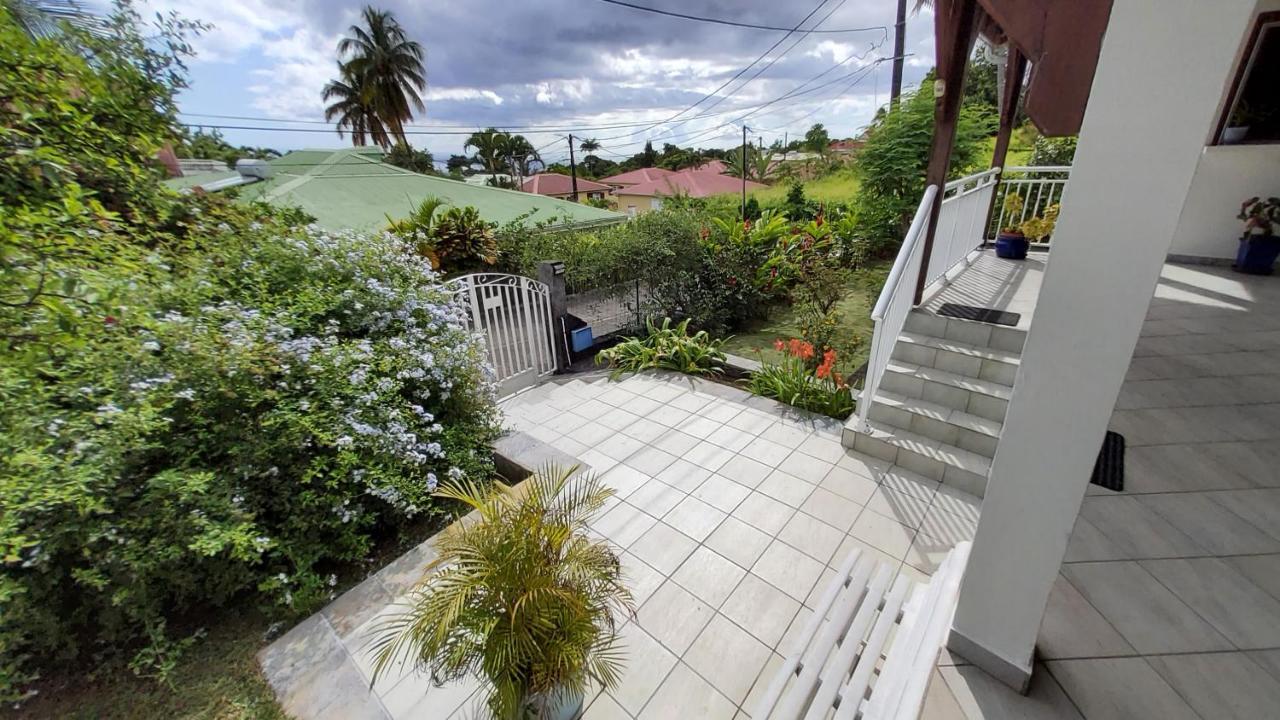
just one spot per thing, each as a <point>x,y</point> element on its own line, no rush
<point>1253,111</point>
<point>631,210</point>
<point>657,203</point>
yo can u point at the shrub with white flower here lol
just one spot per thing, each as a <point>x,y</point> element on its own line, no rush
<point>270,408</point>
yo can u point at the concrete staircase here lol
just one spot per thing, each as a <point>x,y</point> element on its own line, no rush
<point>942,400</point>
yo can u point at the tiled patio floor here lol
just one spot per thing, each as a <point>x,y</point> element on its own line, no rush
<point>1168,603</point>
<point>994,283</point>
<point>730,510</point>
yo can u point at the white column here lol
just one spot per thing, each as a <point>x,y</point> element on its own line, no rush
<point>1163,70</point>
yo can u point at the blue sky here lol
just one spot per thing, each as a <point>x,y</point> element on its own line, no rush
<point>553,64</point>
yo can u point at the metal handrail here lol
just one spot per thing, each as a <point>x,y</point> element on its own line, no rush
<point>891,308</point>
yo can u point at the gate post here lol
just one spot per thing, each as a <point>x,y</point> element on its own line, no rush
<point>551,274</point>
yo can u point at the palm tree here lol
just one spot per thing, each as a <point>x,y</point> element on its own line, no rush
<point>44,18</point>
<point>491,146</point>
<point>524,598</point>
<point>521,155</point>
<point>353,107</point>
<point>388,66</point>
<point>589,145</point>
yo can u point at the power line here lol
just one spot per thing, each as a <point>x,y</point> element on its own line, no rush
<point>739,74</point>
<point>734,23</point>
<point>468,128</point>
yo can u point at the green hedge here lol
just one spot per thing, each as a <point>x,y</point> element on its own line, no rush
<point>200,403</point>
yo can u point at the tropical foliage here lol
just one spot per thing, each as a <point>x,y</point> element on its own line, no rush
<point>891,164</point>
<point>380,78</point>
<point>523,598</point>
<point>798,381</point>
<point>667,347</point>
<point>201,402</point>
<point>502,152</point>
<point>453,239</point>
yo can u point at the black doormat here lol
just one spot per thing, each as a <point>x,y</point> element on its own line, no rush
<point>981,314</point>
<point>1108,471</point>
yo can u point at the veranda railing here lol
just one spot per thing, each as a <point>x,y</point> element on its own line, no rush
<point>1040,187</point>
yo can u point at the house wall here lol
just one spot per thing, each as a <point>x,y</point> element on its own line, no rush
<point>1162,62</point>
<point>1226,176</point>
<point>642,203</point>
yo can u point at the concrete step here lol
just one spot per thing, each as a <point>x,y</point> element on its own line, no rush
<point>945,463</point>
<point>980,334</point>
<point>938,422</point>
<point>983,398</point>
<point>974,361</point>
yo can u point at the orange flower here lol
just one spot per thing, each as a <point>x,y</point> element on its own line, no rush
<point>828,363</point>
<point>779,345</point>
<point>801,349</point>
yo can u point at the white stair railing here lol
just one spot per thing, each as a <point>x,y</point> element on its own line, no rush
<point>895,301</point>
<point>960,228</point>
<point>960,222</point>
<point>1040,187</point>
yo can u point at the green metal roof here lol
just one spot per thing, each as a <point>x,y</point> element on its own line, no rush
<point>352,189</point>
<point>190,181</point>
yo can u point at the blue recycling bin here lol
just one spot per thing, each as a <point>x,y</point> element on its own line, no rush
<point>581,339</point>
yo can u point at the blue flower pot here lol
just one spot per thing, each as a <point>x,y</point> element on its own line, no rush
<point>1257,254</point>
<point>1012,246</point>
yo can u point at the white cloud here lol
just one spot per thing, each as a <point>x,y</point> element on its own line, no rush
<point>556,92</point>
<point>238,25</point>
<point>292,87</point>
<point>461,93</point>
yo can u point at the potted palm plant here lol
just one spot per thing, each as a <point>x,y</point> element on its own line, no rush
<point>1011,243</point>
<point>520,597</point>
<point>1258,245</point>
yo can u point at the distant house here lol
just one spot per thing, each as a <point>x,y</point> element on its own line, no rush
<point>635,177</point>
<point>484,178</point>
<point>844,147</point>
<point>711,166</point>
<point>558,185</point>
<point>353,189</point>
<point>646,196</point>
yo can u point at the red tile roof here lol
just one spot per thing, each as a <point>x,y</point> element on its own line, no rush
<point>692,183</point>
<point>711,166</point>
<point>558,184</point>
<point>635,177</point>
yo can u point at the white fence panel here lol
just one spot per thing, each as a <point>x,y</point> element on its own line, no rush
<point>514,314</point>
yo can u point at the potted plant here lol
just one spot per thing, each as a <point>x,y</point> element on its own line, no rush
<point>520,597</point>
<point>1243,117</point>
<point>1011,243</point>
<point>1258,245</point>
<point>1038,229</point>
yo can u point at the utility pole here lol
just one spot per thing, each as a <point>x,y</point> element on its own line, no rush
<point>899,39</point>
<point>573,171</point>
<point>744,173</point>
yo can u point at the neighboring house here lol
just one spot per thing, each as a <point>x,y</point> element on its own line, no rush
<point>484,178</point>
<point>557,185</point>
<point>711,166</point>
<point>793,155</point>
<point>635,177</point>
<point>353,188</point>
<point>844,147</point>
<point>1160,600</point>
<point>646,196</point>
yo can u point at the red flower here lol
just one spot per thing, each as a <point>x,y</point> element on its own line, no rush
<point>109,320</point>
<point>828,363</point>
<point>801,349</point>
<point>779,345</point>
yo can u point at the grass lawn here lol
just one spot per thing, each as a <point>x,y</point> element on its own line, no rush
<point>860,297</point>
<point>838,187</point>
<point>216,679</point>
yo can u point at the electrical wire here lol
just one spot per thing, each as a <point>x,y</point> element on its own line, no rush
<point>734,23</point>
<point>726,83</point>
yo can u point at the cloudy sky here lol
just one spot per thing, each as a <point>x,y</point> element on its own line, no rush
<point>557,65</point>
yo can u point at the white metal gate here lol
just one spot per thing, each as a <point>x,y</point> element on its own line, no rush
<point>514,313</point>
